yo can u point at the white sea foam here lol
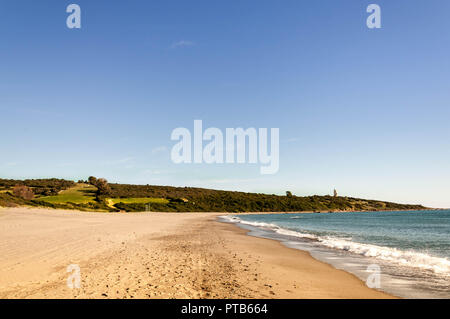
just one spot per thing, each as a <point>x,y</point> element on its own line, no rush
<point>392,255</point>
<point>405,258</point>
<point>287,232</point>
<point>273,227</point>
<point>234,219</point>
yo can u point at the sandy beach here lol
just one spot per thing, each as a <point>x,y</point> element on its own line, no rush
<point>156,255</point>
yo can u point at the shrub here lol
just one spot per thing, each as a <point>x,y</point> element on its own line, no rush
<point>23,191</point>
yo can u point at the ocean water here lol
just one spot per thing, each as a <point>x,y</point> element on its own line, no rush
<point>411,250</point>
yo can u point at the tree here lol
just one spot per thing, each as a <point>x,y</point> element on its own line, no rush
<point>288,194</point>
<point>103,187</point>
<point>23,191</point>
<point>92,180</point>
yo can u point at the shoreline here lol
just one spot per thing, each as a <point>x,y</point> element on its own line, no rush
<point>323,280</point>
<point>157,255</point>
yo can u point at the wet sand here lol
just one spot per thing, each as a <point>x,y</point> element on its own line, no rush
<point>156,255</point>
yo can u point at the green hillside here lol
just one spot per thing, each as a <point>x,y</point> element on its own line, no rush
<point>98,195</point>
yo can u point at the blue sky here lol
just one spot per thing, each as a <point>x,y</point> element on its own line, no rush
<point>363,111</point>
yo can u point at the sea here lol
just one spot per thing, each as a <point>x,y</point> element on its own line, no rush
<point>404,253</point>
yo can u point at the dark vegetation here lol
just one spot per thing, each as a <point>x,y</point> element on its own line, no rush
<point>187,199</point>
<point>40,187</point>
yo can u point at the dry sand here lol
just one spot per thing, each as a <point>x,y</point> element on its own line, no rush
<point>156,255</point>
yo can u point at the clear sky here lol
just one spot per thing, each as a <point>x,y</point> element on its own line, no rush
<point>363,111</point>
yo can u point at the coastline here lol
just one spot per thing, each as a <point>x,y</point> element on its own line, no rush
<point>157,255</point>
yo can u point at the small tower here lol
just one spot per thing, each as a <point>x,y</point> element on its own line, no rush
<point>335,193</point>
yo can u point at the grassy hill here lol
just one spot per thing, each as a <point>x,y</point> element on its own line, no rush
<point>135,198</point>
<point>79,194</point>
